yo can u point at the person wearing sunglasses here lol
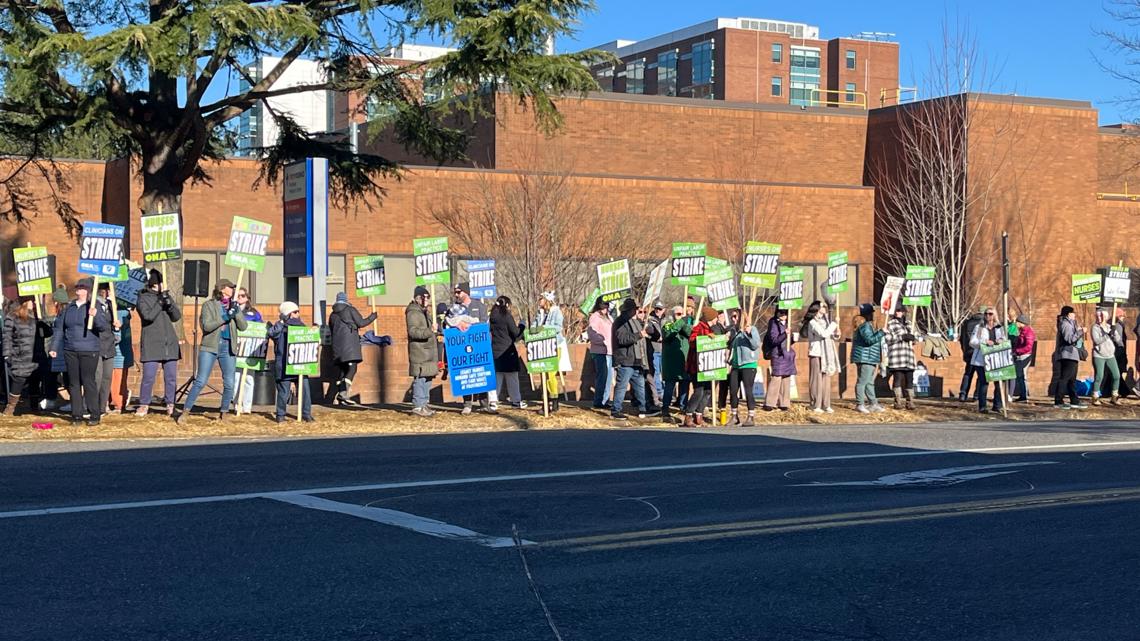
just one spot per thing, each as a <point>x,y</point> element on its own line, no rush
<point>990,332</point>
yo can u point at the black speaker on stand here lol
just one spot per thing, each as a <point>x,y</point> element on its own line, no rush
<point>195,282</point>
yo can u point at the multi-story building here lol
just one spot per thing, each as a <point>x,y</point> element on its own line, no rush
<point>756,60</point>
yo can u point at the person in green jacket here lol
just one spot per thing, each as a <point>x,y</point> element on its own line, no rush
<point>866,351</point>
<point>674,353</point>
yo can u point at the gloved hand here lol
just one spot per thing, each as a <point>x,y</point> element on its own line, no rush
<point>910,338</point>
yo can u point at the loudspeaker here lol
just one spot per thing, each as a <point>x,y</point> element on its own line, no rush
<point>196,278</point>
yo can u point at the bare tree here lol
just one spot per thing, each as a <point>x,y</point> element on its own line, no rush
<point>941,183</point>
<point>544,229</point>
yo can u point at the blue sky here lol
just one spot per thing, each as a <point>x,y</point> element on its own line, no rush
<point>1047,50</point>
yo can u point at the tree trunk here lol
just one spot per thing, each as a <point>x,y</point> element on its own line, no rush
<point>161,195</point>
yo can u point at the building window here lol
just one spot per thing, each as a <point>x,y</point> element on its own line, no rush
<point>777,52</point>
<point>667,73</point>
<point>850,97</point>
<point>850,58</point>
<point>703,63</point>
<point>804,77</point>
<point>777,85</point>
<point>635,77</point>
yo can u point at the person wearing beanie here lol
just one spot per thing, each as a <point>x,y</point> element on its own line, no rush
<point>423,363</point>
<point>1066,356</point>
<point>1106,336</point>
<point>279,333</point>
<point>701,391</point>
<point>1023,345</point>
<point>901,363</point>
<point>989,333</point>
<point>866,354</point>
<point>80,348</point>
<point>219,320</point>
<point>777,349</point>
<point>346,324</point>
<point>158,345</point>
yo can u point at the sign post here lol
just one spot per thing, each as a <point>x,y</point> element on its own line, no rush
<point>251,346</point>
<point>712,363</point>
<point>542,357</point>
<point>303,357</point>
<point>371,281</point>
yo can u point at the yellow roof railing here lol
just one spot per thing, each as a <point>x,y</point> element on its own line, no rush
<point>843,98</point>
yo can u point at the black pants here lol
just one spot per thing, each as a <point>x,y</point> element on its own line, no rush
<point>347,372</point>
<point>81,372</point>
<point>699,397</point>
<point>747,378</point>
<point>1066,382</point>
<point>903,378</point>
<point>16,384</point>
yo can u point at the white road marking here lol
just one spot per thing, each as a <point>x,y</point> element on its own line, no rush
<point>413,522</point>
<point>221,498</point>
<point>928,478</point>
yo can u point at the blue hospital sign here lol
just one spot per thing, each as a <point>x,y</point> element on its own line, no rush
<point>469,359</point>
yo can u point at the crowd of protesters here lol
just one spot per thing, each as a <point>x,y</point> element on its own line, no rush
<point>643,358</point>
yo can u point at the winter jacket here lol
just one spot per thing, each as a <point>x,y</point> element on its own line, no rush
<point>629,344</point>
<point>653,329</point>
<point>1067,337</point>
<point>279,333</point>
<point>781,356</point>
<point>1024,341</point>
<point>967,333</point>
<point>423,359</point>
<point>821,344</point>
<point>981,335</point>
<point>346,324</point>
<point>471,313</point>
<point>691,365</point>
<point>70,333</point>
<point>745,348</point>
<point>900,345</point>
<point>106,339</point>
<point>158,312</point>
<point>552,319</point>
<point>124,350</point>
<point>213,319</point>
<point>24,344</point>
<point>505,332</point>
<point>1105,342</point>
<point>675,349</point>
<point>867,345</point>
<point>600,332</point>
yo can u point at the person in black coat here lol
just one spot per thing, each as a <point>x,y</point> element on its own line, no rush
<point>346,324</point>
<point>158,345</point>
<point>505,332</point>
<point>80,348</point>
<point>24,352</point>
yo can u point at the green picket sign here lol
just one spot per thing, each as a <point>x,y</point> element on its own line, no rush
<point>370,277</point>
<point>999,362</point>
<point>588,304</point>
<point>432,265</point>
<point>161,237</point>
<point>249,242</point>
<point>303,357</point>
<point>712,358</point>
<point>919,288</point>
<point>720,283</point>
<point>688,265</point>
<point>837,272</point>
<point>614,280</point>
<point>791,287</point>
<point>1086,288</point>
<point>251,347</point>
<point>761,264</point>
<point>33,276</point>
<point>541,350</point>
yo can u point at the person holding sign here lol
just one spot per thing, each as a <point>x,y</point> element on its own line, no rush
<point>107,341</point>
<point>218,316</point>
<point>158,347</point>
<point>346,324</point>
<point>1106,337</point>
<point>550,316</point>
<point>244,398</point>
<point>901,362</point>
<point>674,354</point>
<point>279,333</point>
<point>1066,356</point>
<point>630,358</point>
<point>505,332</point>
<point>80,349</point>
<point>989,333</point>
<point>866,354</point>
<point>823,356</point>
<point>778,351</point>
<point>24,353</point>
<point>600,332</point>
<point>745,346</point>
<point>701,391</point>
<point>463,313</point>
<point>423,358</point>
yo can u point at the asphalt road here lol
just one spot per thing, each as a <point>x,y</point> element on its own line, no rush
<point>863,532</point>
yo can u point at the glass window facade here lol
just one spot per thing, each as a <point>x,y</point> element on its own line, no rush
<point>777,52</point>
<point>703,71</point>
<point>777,85</point>
<point>850,58</point>
<point>667,73</point>
<point>850,95</point>
<point>804,75</point>
<point>635,76</point>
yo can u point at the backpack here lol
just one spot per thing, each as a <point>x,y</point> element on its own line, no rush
<point>766,346</point>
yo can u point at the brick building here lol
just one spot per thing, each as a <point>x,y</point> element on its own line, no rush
<point>756,60</point>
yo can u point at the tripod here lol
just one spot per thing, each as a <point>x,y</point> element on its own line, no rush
<point>185,387</point>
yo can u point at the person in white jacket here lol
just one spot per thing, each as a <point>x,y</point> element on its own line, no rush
<point>823,356</point>
<point>988,332</point>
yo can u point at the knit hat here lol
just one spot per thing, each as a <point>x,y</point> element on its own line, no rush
<point>287,308</point>
<point>658,305</point>
<point>548,296</point>
<point>628,305</point>
<point>708,314</point>
<point>60,294</point>
<point>1023,319</point>
<point>85,283</point>
<point>465,287</point>
<point>866,310</point>
<point>1067,309</point>
<point>342,297</point>
<point>420,291</point>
